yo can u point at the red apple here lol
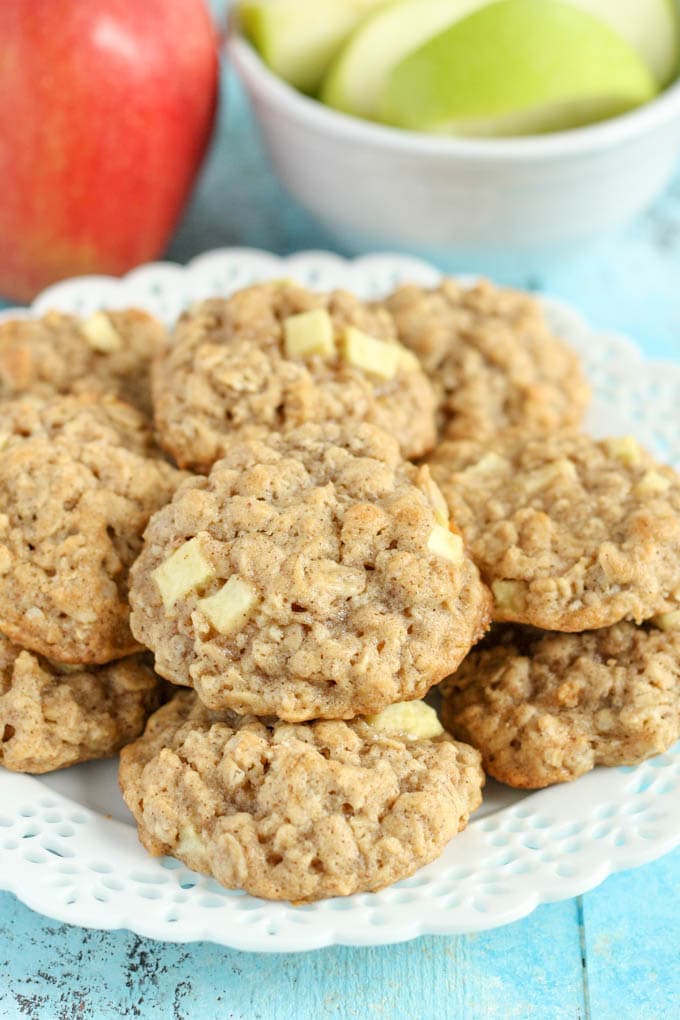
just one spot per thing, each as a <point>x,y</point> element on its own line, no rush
<point>106,108</point>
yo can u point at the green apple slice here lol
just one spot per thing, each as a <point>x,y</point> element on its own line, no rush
<point>652,28</point>
<point>356,79</point>
<point>298,39</point>
<point>517,67</point>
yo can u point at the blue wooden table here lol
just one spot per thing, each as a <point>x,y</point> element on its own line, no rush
<point>614,953</point>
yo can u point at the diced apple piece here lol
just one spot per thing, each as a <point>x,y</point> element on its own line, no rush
<point>443,542</point>
<point>625,449</point>
<point>412,719</point>
<point>490,463</point>
<point>604,720</point>
<point>370,354</point>
<point>652,483</point>
<point>100,334</point>
<point>309,333</point>
<point>190,844</point>
<point>407,360</point>
<point>562,469</point>
<point>668,621</point>
<point>185,570</point>
<point>231,606</point>
<point>434,495</point>
<point>507,594</point>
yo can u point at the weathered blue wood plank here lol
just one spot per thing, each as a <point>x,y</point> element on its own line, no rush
<point>532,968</point>
<point>632,938</point>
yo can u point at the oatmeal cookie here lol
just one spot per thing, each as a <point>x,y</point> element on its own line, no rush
<point>52,716</point>
<point>571,533</point>
<point>59,353</point>
<point>276,355</point>
<point>77,419</point>
<point>491,358</point>
<point>71,523</point>
<point>292,810</point>
<point>311,575</point>
<point>546,707</point>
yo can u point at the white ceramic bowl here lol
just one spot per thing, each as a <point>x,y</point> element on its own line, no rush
<point>377,187</point>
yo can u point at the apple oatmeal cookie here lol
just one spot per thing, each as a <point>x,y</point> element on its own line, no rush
<point>545,708</point>
<point>570,532</point>
<point>84,418</point>
<point>53,716</point>
<point>71,521</point>
<point>295,811</point>
<point>276,355</point>
<point>310,575</point>
<point>491,358</point>
<point>106,352</point>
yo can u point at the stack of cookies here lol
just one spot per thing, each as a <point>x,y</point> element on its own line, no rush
<point>580,542</point>
<point>80,475</point>
<point>578,539</point>
<point>315,564</point>
<point>305,584</point>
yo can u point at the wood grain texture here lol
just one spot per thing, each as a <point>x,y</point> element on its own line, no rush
<point>613,955</point>
<point>631,926</point>
<point>533,968</point>
<point>56,971</point>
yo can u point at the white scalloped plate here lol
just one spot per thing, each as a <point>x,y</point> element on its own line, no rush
<point>67,846</point>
